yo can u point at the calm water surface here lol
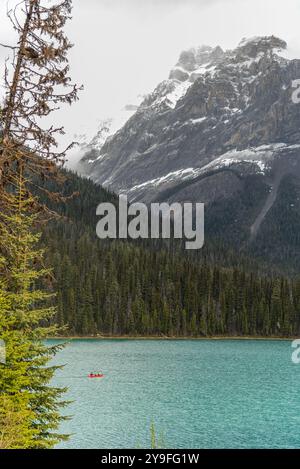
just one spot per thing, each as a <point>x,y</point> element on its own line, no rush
<point>200,394</point>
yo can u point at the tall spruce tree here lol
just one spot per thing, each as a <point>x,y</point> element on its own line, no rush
<point>24,323</point>
<point>36,85</point>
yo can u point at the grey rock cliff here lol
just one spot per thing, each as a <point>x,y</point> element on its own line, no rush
<point>217,109</point>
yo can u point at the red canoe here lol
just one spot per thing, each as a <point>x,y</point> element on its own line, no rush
<point>96,375</point>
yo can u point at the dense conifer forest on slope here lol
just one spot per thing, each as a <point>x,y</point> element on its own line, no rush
<point>156,289</point>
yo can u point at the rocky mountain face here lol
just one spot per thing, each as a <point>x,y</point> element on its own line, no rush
<point>222,129</point>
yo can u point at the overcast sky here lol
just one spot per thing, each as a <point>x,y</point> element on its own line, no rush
<point>124,48</point>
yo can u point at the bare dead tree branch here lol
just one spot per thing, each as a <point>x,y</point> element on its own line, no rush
<point>8,47</point>
<point>36,85</point>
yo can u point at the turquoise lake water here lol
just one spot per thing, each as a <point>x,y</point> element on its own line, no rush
<point>200,394</point>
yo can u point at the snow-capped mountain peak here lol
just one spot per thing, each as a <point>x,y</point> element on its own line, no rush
<point>216,107</point>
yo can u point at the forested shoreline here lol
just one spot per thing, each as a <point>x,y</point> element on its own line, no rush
<point>116,288</point>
